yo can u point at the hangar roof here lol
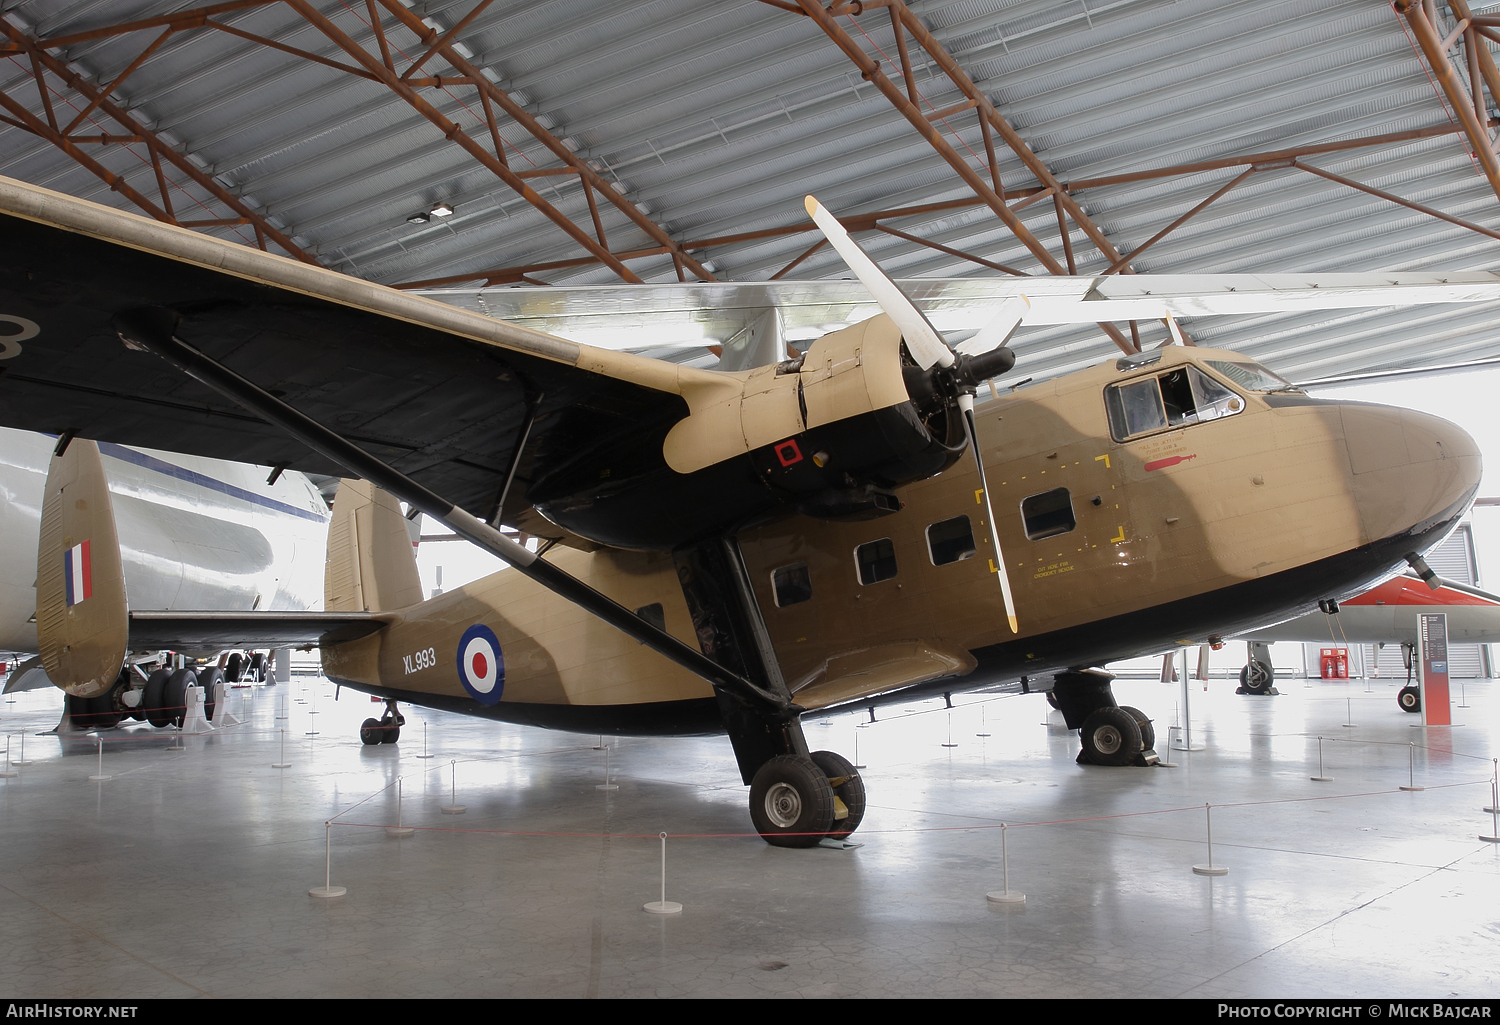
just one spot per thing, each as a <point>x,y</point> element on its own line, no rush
<point>586,142</point>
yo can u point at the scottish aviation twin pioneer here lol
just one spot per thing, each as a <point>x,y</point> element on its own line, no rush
<point>736,547</point>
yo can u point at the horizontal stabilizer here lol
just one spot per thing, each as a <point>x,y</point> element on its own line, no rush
<point>172,630</point>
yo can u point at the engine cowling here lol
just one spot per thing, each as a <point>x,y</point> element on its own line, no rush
<point>831,435</point>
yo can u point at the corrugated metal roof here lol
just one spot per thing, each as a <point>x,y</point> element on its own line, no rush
<point>716,119</point>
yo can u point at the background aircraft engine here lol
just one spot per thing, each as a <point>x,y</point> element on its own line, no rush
<point>830,435</point>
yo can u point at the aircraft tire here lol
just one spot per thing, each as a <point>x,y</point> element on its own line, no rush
<point>1410,699</point>
<point>791,802</point>
<point>1257,677</point>
<point>851,790</point>
<point>234,667</point>
<point>258,667</point>
<point>206,680</point>
<point>1111,737</point>
<point>154,698</point>
<point>1052,700</point>
<point>390,733</point>
<point>81,712</point>
<point>371,732</point>
<point>175,697</point>
<point>1148,731</point>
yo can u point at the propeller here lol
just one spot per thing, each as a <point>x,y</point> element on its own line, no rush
<point>958,375</point>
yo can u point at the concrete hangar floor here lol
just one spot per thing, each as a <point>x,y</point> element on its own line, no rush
<point>187,874</point>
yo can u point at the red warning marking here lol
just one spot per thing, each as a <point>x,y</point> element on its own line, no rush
<point>1162,464</point>
<point>788,452</point>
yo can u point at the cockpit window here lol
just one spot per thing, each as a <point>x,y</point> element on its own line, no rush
<point>1183,395</point>
<point>1250,375</point>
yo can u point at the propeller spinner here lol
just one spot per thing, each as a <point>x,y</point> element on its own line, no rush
<point>957,375</point>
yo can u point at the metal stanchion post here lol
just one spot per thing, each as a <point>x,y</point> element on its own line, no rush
<point>663,906</point>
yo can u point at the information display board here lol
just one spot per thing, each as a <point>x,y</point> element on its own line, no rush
<point>1432,648</point>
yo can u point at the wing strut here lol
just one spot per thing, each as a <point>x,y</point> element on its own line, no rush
<point>152,330</point>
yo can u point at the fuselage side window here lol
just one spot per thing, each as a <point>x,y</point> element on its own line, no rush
<point>950,541</point>
<point>792,585</point>
<point>1213,399</point>
<point>1135,408</point>
<point>876,561</point>
<point>1179,397</point>
<point>1048,514</point>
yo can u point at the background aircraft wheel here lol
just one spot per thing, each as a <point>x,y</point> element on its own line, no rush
<point>791,802</point>
<point>155,696</point>
<point>1410,699</point>
<point>1111,737</point>
<point>82,712</point>
<point>233,667</point>
<point>206,680</point>
<point>258,667</point>
<point>851,790</point>
<point>1148,731</point>
<point>371,732</point>
<point>1257,677</point>
<point>175,696</point>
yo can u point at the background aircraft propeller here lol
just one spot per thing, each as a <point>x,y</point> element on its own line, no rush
<point>954,377</point>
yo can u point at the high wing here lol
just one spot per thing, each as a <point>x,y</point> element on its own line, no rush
<point>616,448</point>
<point>705,313</point>
<point>440,393</point>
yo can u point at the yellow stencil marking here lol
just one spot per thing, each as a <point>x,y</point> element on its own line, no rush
<point>1121,537</point>
<point>1105,458</point>
<point>979,496</point>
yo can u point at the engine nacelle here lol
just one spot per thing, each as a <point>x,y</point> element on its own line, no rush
<point>830,435</point>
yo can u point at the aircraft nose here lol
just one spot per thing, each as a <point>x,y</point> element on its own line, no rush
<point>1413,473</point>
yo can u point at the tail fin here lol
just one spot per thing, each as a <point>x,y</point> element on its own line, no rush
<point>82,621</point>
<point>371,565</point>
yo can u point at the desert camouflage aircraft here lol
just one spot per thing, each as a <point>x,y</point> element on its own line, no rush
<point>735,547</point>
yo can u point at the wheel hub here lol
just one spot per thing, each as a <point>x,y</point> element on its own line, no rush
<point>1107,740</point>
<point>783,805</point>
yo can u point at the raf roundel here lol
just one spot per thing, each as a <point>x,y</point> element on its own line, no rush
<point>481,666</point>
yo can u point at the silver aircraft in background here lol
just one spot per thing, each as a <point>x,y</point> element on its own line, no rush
<point>195,533</point>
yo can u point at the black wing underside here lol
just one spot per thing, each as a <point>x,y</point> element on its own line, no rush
<point>443,409</point>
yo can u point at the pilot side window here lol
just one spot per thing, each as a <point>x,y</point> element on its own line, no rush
<point>876,561</point>
<point>1181,396</point>
<point>1048,514</point>
<point>950,541</point>
<point>792,585</point>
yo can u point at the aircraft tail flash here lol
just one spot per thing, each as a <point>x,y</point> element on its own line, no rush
<point>371,565</point>
<point>82,618</point>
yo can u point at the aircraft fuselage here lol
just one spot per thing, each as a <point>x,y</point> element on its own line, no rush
<point>1138,508</point>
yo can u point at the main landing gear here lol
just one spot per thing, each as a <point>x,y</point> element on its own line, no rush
<point>386,729</point>
<point>797,802</point>
<point>1111,734</point>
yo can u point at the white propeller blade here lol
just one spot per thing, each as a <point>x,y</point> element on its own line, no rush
<point>928,349</point>
<point>1175,330</point>
<point>966,403</point>
<point>994,334</point>
<point>922,340</point>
